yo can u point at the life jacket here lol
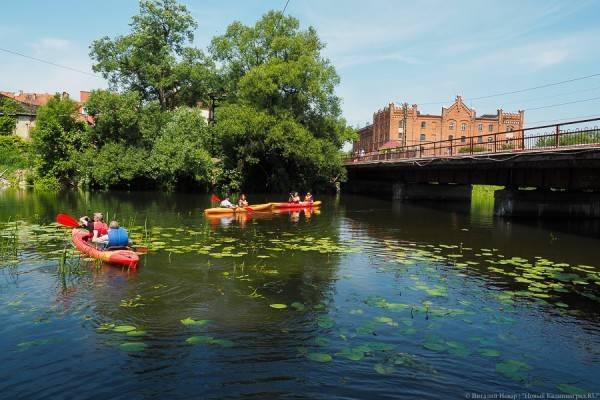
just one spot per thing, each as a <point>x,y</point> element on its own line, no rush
<point>101,227</point>
<point>118,237</point>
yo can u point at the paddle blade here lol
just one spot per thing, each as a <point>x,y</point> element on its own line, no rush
<point>67,220</point>
<point>249,209</point>
<point>214,198</point>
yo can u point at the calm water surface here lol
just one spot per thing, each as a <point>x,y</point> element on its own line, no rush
<point>365,299</point>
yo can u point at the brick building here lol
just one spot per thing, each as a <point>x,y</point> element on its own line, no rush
<point>405,126</point>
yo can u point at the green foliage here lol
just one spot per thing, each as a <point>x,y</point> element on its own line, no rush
<point>570,139</point>
<point>46,184</point>
<point>15,153</point>
<point>281,126</point>
<point>153,60</point>
<point>57,137</point>
<point>8,119</point>
<point>179,153</point>
<point>278,126</point>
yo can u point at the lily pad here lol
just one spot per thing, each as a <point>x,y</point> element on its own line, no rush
<point>298,306</point>
<point>513,369</point>
<point>124,328</point>
<point>434,346</point>
<point>136,333</point>
<point>133,346</point>
<point>192,322</point>
<point>319,357</point>
<point>278,306</point>
<point>325,322</point>
<point>384,369</point>
<point>489,352</point>
<point>200,339</point>
<point>570,389</point>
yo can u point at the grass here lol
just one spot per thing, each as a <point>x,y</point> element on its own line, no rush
<point>9,243</point>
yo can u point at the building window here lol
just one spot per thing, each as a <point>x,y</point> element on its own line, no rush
<point>510,128</point>
<point>451,126</point>
<point>490,139</point>
<point>479,139</point>
<point>463,139</point>
<point>450,137</point>
<point>491,128</point>
<point>463,127</point>
<point>401,126</point>
<point>480,127</point>
<point>423,125</point>
<point>422,137</point>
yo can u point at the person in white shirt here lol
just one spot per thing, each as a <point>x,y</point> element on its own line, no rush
<point>226,203</point>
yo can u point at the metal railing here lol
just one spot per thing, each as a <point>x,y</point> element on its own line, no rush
<point>538,138</point>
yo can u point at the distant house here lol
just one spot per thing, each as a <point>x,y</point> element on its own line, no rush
<point>30,102</point>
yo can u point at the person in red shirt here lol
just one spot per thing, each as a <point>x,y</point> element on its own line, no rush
<point>100,227</point>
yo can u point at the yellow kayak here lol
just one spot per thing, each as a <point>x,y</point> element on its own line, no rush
<point>250,208</point>
<point>292,206</point>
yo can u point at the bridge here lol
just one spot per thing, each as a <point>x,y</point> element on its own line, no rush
<point>547,171</point>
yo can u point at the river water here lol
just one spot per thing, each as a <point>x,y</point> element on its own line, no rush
<point>366,299</point>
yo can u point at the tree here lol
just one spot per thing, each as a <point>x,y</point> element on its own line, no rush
<point>281,125</point>
<point>154,59</point>
<point>8,118</point>
<point>57,137</point>
<point>180,154</point>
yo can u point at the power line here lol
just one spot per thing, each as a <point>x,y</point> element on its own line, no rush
<point>562,104</point>
<point>519,90</point>
<point>565,119</point>
<point>49,62</point>
<point>281,16</point>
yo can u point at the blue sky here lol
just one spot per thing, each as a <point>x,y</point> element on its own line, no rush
<point>415,51</point>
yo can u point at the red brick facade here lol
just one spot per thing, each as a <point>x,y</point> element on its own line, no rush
<point>400,126</point>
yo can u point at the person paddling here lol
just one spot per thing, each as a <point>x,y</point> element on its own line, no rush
<point>115,237</point>
<point>308,198</point>
<point>87,223</point>
<point>242,202</point>
<point>295,198</point>
<point>100,227</point>
<point>225,203</point>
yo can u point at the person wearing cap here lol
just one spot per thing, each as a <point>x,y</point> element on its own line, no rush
<point>116,237</point>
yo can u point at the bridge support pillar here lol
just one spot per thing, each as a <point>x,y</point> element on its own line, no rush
<point>426,191</point>
<point>546,203</point>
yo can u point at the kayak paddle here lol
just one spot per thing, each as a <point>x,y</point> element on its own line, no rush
<point>67,220</point>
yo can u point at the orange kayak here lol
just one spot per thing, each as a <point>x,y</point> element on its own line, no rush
<point>127,258</point>
<point>291,206</point>
<point>250,208</point>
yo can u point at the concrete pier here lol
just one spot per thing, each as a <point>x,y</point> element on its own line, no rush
<point>546,203</point>
<point>426,191</point>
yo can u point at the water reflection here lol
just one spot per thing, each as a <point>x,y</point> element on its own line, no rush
<point>361,299</point>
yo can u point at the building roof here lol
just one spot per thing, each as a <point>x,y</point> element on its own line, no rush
<point>488,116</point>
<point>33,99</point>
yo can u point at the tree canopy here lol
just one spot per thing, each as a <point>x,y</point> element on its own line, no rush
<point>281,125</point>
<point>155,59</point>
<point>278,123</point>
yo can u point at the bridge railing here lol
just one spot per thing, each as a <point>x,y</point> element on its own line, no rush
<point>573,134</point>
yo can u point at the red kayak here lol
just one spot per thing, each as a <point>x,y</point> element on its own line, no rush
<point>291,206</point>
<point>127,258</point>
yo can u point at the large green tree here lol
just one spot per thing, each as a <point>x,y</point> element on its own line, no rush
<point>155,58</point>
<point>281,125</point>
<point>58,136</point>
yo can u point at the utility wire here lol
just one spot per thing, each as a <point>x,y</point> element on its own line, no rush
<point>519,90</point>
<point>562,104</point>
<point>281,15</point>
<point>49,62</point>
